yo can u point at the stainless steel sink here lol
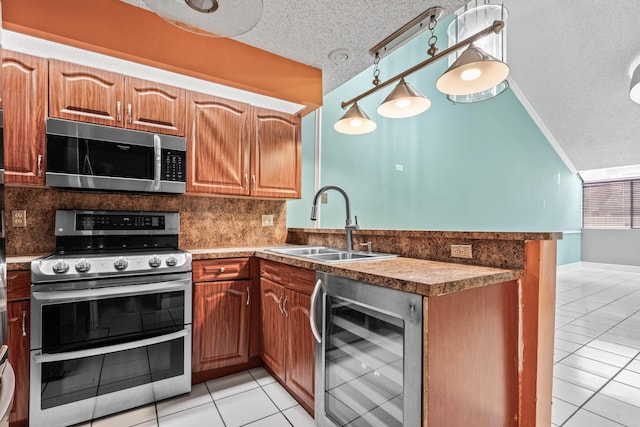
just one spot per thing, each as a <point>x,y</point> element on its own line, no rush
<point>321,253</point>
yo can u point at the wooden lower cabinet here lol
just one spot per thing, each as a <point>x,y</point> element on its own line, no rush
<point>220,324</point>
<point>224,307</point>
<point>273,326</point>
<point>288,345</point>
<point>300,345</point>
<point>18,336</point>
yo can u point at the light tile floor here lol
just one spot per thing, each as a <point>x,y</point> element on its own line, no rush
<point>251,398</point>
<point>596,372</point>
<point>597,346</point>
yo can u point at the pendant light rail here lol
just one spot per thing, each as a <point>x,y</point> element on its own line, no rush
<point>494,28</point>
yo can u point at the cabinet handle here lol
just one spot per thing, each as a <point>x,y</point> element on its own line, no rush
<point>39,164</point>
<point>118,118</point>
<point>129,113</point>
<point>248,295</point>
<point>280,304</point>
<point>246,181</point>
<point>24,323</point>
<point>284,306</point>
<point>222,269</point>
<point>253,182</point>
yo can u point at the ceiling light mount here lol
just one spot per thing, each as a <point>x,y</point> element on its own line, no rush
<point>203,6</point>
<point>212,18</point>
<point>412,28</point>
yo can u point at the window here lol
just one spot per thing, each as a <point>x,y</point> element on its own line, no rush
<point>614,204</point>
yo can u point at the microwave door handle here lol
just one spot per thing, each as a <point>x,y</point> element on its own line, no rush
<point>157,152</point>
<point>312,311</point>
<point>57,357</point>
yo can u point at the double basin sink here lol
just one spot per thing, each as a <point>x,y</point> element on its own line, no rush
<point>321,253</point>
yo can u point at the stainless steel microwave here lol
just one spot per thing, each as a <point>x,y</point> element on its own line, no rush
<point>95,157</point>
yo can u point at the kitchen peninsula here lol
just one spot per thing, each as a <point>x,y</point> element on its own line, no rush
<point>488,329</point>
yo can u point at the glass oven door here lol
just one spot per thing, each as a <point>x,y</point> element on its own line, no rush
<point>101,350</point>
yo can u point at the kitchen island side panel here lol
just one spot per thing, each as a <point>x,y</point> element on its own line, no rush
<point>471,360</point>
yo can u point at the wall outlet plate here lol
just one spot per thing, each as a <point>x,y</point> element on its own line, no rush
<point>267,220</point>
<point>19,218</point>
<point>323,198</point>
<point>461,251</point>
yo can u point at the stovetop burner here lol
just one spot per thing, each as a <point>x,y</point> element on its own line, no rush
<point>99,244</point>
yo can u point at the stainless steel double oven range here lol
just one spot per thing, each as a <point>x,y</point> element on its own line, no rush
<point>111,316</point>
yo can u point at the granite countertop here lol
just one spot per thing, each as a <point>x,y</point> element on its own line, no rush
<point>428,278</point>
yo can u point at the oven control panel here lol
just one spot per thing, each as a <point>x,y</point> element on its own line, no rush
<point>67,267</point>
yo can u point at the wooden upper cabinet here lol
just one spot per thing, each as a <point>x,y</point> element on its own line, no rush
<point>217,145</point>
<point>154,107</point>
<point>97,96</point>
<point>276,155</point>
<point>85,94</point>
<point>24,83</point>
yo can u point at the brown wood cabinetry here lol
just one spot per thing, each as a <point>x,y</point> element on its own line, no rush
<point>237,149</point>
<point>18,333</point>
<point>97,96</point>
<point>24,83</point>
<point>288,346</point>
<point>276,154</point>
<point>222,302</point>
<point>217,145</point>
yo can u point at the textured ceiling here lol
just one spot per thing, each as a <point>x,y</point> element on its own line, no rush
<point>571,60</point>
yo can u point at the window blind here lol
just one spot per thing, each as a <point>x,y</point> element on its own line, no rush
<point>613,204</point>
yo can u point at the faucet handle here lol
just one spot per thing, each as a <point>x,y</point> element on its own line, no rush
<point>368,245</point>
<point>356,226</point>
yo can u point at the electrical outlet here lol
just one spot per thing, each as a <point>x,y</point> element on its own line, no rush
<point>19,218</point>
<point>399,167</point>
<point>323,198</point>
<point>461,251</point>
<point>267,220</point>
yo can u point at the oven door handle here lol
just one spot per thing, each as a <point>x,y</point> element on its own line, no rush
<point>96,293</point>
<point>57,357</point>
<point>312,311</point>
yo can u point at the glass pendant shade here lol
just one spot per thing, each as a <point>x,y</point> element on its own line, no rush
<point>213,18</point>
<point>634,91</point>
<point>474,71</point>
<point>469,22</point>
<point>403,101</point>
<point>355,122</point>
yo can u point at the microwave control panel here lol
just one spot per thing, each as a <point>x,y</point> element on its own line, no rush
<point>174,165</point>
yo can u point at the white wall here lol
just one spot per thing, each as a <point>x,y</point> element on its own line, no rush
<point>611,246</point>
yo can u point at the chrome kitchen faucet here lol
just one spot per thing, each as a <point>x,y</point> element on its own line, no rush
<point>348,227</point>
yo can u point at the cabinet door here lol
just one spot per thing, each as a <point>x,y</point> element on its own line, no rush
<point>273,326</point>
<point>24,82</point>
<point>85,94</point>
<point>218,145</point>
<point>300,346</point>
<point>154,107</point>
<point>221,313</point>
<point>18,317</point>
<point>276,155</point>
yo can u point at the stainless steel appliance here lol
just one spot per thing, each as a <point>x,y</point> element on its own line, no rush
<point>111,316</point>
<point>95,157</point>
<point>368,354</point>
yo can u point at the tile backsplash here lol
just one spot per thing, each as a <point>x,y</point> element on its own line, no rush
<point>205,222</point>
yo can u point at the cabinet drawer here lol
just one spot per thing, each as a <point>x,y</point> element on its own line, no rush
<point>220,269</point>
<point>299,279</point>
<point>18,285</point>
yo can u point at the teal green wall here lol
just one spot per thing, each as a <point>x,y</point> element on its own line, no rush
<point>483,166</point>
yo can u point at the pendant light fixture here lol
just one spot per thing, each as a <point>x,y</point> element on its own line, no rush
<point>213,18</point>
<point>403,101</point>
<point>473,71</point>
<point>355,122</point>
